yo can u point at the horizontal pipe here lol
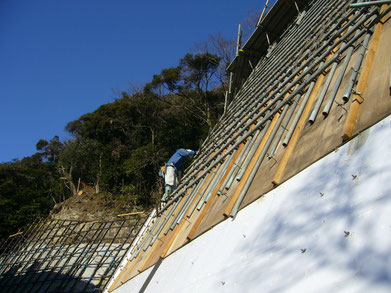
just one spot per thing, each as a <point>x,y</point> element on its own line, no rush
<point>238,106</point>
<point>370,3</point>
<point>217,157</point>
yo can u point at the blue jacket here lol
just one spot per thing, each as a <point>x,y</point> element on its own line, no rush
<point>178,158</point>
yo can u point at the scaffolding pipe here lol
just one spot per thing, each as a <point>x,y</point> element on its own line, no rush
<point>369,3</point>
<point>318,51</point>
<point>235,169</point>
<point>238,106</point>
<point>356,68</point>
<point>263,13</point>
<point>160,228</point>
<point>275,100</point>
<point>253,150</point>
<point>273,67</point>
<point>338,82</point>
<point>269,77</point>
<point>390,78</point>
<point>198,187</point>
<point>258,163</point>
<point>283,126</point>
<point>299,112</point>
<point>320,99</point>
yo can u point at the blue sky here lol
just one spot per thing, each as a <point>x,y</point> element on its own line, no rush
<point>60,59</point>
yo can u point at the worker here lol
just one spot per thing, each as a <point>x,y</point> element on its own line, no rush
<point>173,167</point>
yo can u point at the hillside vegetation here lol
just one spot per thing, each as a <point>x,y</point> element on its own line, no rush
<point>117,149</point>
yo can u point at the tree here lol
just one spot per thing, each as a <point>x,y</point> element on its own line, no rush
<point>29,188</point>
<point>81,158</point>
<point>194,79</point>
<point>50,150</point>
<point>224,48</point>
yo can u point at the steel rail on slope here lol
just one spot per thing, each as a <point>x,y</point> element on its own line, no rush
<point>274,101</point>
<point>271,66</point>
<point>116,266</point>
<point>252,79</point>
<point>200,163</point>
<point>20,251</point>
<point>259,161</point>
<point>296,71</point>
<point>281,46</point>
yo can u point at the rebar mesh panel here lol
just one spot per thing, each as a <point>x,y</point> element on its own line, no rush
<point>65,256</point>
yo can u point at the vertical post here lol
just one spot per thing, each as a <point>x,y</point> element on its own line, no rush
<point>239,40</point>
<point>78,186</point>
<point>263,13</point>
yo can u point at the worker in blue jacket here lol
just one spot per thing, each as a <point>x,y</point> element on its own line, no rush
<point>175,165</point>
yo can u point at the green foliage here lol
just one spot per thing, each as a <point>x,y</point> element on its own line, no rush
<point>27,190</point>
<point>119,147</point>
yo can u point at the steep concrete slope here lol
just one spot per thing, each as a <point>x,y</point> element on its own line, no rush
<point>326,229</point>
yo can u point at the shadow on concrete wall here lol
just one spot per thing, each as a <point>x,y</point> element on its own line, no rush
<point>331,221</point>
<point>40,282</point>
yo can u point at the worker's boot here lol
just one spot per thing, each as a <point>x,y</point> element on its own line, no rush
<point>167,193</point>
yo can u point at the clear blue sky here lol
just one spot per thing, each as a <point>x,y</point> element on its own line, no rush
<point>60,59</point>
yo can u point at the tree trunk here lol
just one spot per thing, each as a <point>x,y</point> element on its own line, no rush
<point>99,175</point>
<point>67,177</point>
<point>208,116</point>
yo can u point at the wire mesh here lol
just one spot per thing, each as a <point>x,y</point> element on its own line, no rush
<point>65,255</point>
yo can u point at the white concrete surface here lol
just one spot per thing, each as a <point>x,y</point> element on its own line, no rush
<point>128,255</point>
<point>327,229</point>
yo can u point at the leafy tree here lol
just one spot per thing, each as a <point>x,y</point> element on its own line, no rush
<point>50,150</point>
<point>28,189</point>
<point>81,158</point>
<point>195,81</point>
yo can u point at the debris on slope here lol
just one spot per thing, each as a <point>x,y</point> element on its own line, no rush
<point>88,206</point>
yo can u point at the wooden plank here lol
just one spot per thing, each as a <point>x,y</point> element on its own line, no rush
<point>130,214</point>
<point>159,243</point>
<point>296,134</point>
<point>130,268</point>
<point>362,82</point>
<point>213,196</point>
<point>300,126</point>
<point>250,167</point>
<point>180,226</point>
